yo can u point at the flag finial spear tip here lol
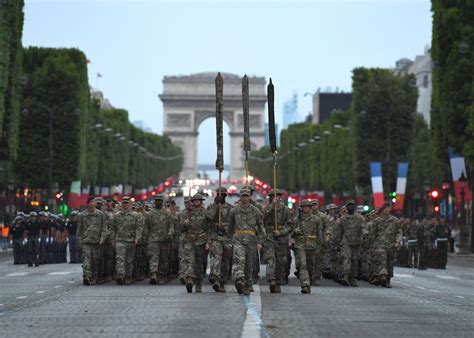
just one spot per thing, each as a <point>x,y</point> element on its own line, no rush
<point>271,81</point>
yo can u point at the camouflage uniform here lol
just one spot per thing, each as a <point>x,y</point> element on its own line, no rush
<point>364,253</point>
<point>387,233</point>
<point>221,248</point>
<point>276,248</point>
<point>126,231</point>
<point>321,250</point>
<point>91,231</point>
<point>195,227</point>
<point>159,230</point>
<point>349,235</point>
<point>308,237</point>
<point>246,230</point>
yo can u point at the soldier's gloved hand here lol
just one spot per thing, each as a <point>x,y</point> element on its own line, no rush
<point>207,246</point>
<point>259,246</point>
<point>276,233</point>
<point>137,242</point>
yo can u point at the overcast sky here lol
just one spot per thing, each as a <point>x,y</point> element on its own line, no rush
<point>301,44</point>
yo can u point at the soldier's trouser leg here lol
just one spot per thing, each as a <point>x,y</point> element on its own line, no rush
<point>17,251</point>
<point>301,260</point>
<point>120,258</point>
<point>270,260</point>
<point>256,267</point>
<point>243,254</point>
<point>443,253</point>
<point>42,250</point>
<point>217,253</point>
<point>89,266</point>
<point>181,259</point>
<point>73,249</point>
<point>319,263</point>
<point>346,257</point>
<point>391,258</point>
<point>164,259</point>
<point>153,250</point>
<point>201,258</point>
<point>33,250</point>
<point>354,261</point>
<point>311,256</point>
<point>226,262</point>
<point>281,255</point>
<point>189,259</point>
<point>129,259</point>
<point>381,262</point>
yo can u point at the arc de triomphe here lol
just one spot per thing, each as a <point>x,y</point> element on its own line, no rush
<point>189,100</point>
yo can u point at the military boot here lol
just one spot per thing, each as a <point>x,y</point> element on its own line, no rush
<point>305,289</point>
<point>93,281</point>
<point>239,286</point>
<point>277,288</point>
<point>352,281</point>
<point>388,285</point>
<point>161,279</point>
<point>86,281</point>
<point>216,286</point>
<point>344,280</point>
<point>189,284</point>
<point>222,287</point>
<point>250,286</point>
<point>272,285</point>
<point>120,280</point>
<point>198,285</point>
<point>383,281</point>
<point>246,290</point>
<point>153,279</point>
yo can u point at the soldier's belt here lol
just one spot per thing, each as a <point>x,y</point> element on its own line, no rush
<point>245,232</point>
<point>311,237</point>
<point>411,242</point>
<point>441,239</point>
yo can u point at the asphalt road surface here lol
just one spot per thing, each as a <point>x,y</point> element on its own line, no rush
<point>50,300</point>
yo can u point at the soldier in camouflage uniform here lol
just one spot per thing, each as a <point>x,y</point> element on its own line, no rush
<point>248,233</point>
<point>187,207</point>
<point>387,233</point>
<point>363,265</point>
<point>258,254</point>
<point>321,250</point>
<point>221,247</point>
<point>196,230</point>
<point>91,231</point>
<point>349,235</point>
<point>308,237</point>
<point>141,257</point>
<point>159,231</point>
<point>328,234</point>
<point>126,228</point>
<point>276,243</point>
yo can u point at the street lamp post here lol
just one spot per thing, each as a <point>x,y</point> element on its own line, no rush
<point>463,234</point>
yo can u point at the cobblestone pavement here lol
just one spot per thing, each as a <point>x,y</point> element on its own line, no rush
<point>50,301</point>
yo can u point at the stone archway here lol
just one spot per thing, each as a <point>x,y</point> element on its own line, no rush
<point>189,100</point>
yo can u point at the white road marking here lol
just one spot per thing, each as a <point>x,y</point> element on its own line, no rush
<point>58,286</point>
<point>59,273</point>
<point>435,291</point>
<point>71,281</point>
<point>40,291</point>
<point>15,274</point>
<point>21,297</point>
<point>421,288</point>
<point>402,275</point>
<point>1,304</point>
<point>459,297</point>
<point>447,277</point>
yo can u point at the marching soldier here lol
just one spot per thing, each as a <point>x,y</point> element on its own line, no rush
<point>221,249</point>
<point>387,233</point>
<point>247,232</point>
<point>91,231</point>
<point>319,255</point>
<point>17,230</point>
<point>441,234</point>
<point>412,244</point>
<point>276,243</point>
<point>349,235</point>
<point>126,228</point>
<point>308,237</point>
<point>33,233</point>
<point>159,231</point>
<point>328,234</point>
<point>195,227</point>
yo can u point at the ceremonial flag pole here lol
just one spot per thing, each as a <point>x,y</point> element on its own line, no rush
<point>272,136</point>
<point>246,111</point>
<point>219,136</point>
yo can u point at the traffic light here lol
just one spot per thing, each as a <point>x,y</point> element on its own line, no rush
<point>64,209</point>
<point>436,209</point>
<point>366,208</point>
<point>58,195</point>
<point>434,194</point>
<point>393,196</point>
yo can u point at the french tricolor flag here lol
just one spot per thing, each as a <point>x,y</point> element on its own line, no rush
<point>377,186</point>
<point>401,185</point>
<point>457,168</point>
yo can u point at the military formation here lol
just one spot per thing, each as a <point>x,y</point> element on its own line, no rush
<point>131,241</point>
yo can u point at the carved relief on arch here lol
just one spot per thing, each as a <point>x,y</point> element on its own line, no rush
<point>201,115</point>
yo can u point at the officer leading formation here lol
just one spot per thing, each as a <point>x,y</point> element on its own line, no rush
<point>131,241</point>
